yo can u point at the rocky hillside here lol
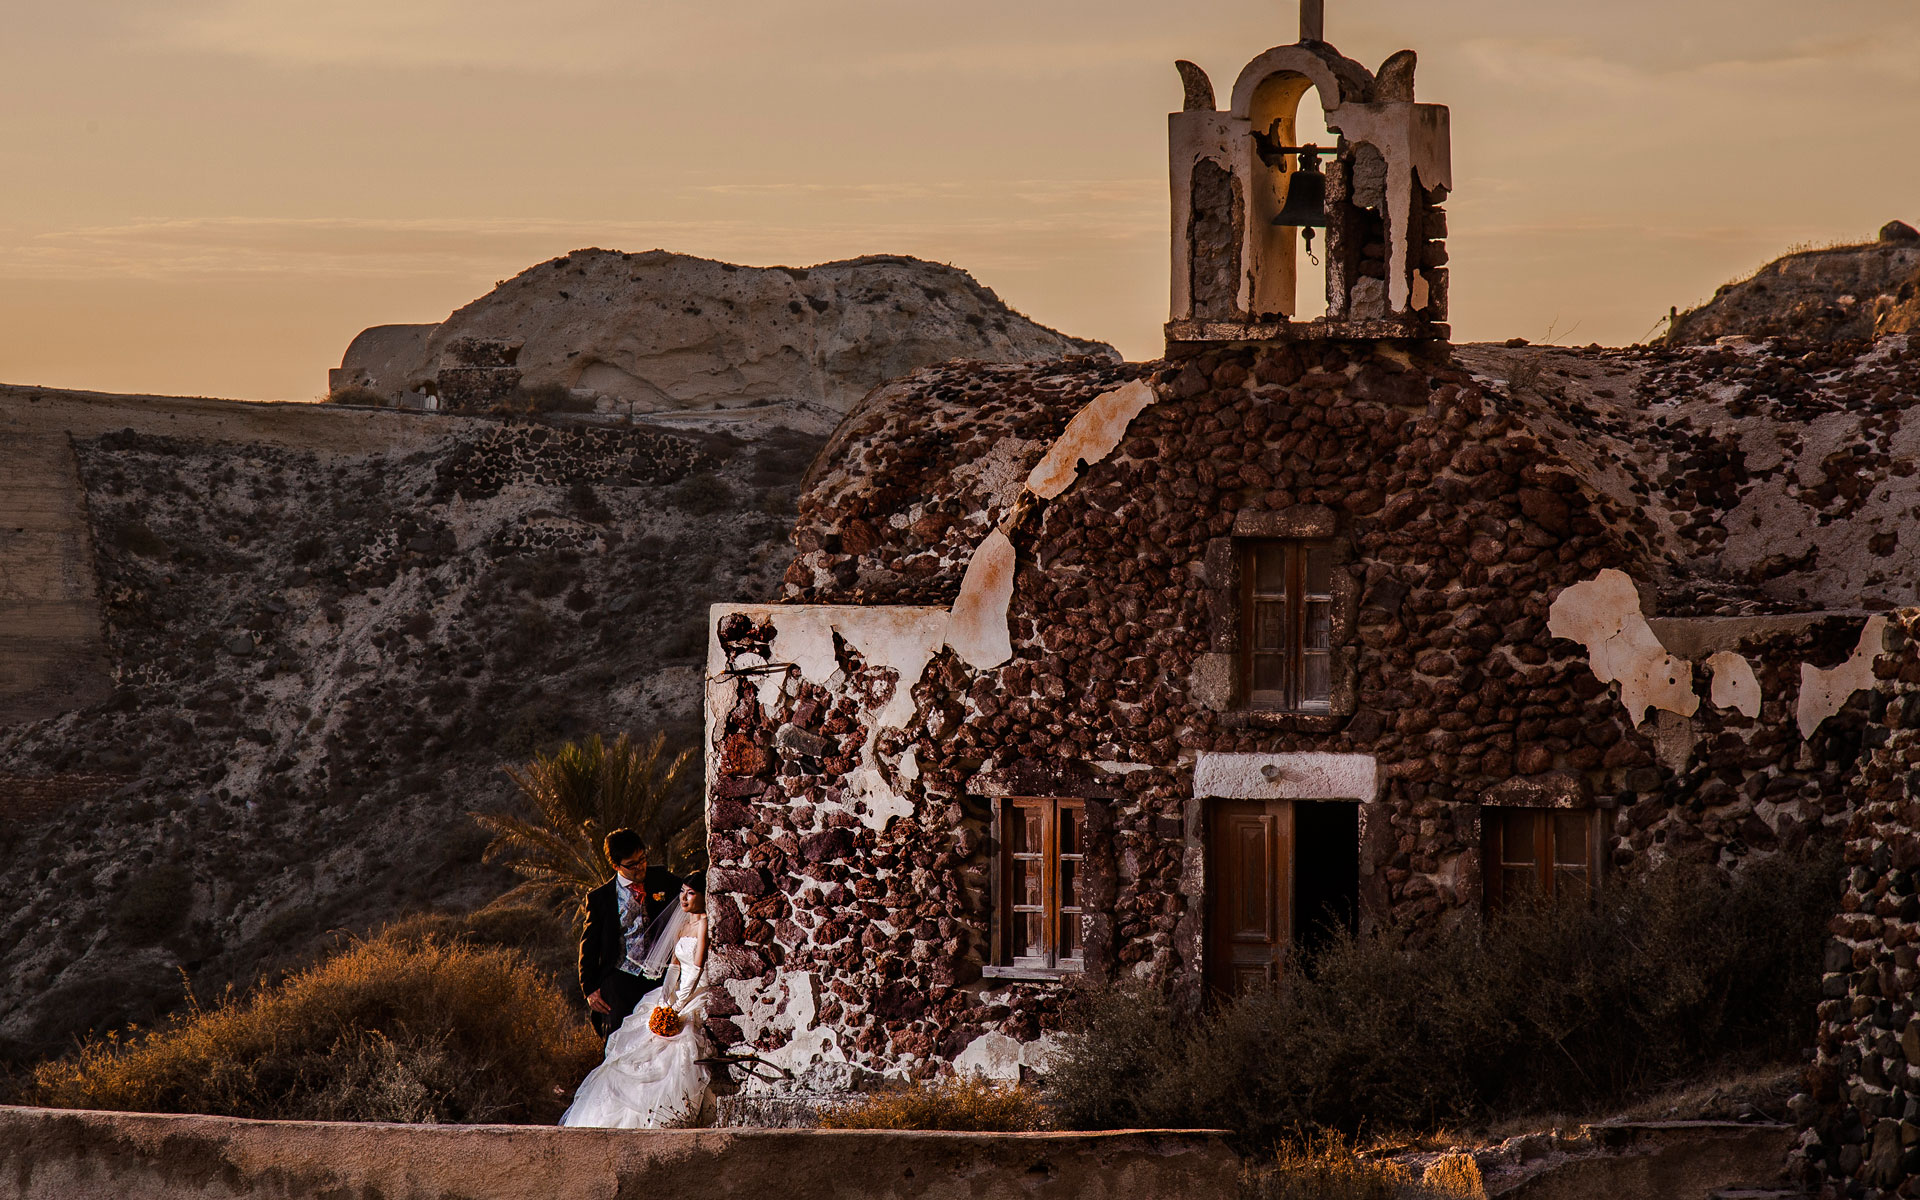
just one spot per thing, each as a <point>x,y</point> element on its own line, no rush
<point>657,332</point>
<point>1899,312</point>
<point>323,647</point>
<point>1844,293</point>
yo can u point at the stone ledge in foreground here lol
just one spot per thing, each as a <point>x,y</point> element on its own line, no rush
<point>65,1154</point>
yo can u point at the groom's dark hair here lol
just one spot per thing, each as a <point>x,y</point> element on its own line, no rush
<point>623,844</point>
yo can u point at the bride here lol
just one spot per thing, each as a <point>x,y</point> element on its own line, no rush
<point>649,1079</point>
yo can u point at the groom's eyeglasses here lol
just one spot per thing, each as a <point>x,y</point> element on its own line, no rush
<point>632,864</point>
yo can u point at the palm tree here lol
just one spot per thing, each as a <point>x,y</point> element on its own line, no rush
<point>576,795</point>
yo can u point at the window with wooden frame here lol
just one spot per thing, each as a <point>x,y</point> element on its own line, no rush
<point>1286,640</point>
<point>1539,853</point>
<point>1042,856</point>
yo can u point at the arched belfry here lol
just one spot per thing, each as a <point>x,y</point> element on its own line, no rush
<point>1249,198</point>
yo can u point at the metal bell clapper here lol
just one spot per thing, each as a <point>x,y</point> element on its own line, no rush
<point>1305,204</point>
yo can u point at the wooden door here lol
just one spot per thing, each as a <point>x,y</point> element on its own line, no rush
<point>1249,861</point>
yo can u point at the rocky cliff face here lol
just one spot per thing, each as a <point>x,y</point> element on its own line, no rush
<point>658,332</point>
<point>1838,294</point>
<point>1899,311</point>
<point>325,639</point>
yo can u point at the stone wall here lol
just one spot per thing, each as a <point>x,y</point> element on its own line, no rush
<point>1862,1108</point>
<point>25,799</point>
<point>48,1154</point>
<point>852,776</point>
<point>52,656</point>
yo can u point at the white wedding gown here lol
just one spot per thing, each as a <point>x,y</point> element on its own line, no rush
<point>647,1081</point>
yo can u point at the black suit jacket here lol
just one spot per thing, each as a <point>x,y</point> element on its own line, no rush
<point>602,947</point>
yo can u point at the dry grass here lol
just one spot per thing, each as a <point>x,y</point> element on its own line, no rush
<point>539,935</point>
<point>1795,250</point>
<point>357,395</point>
<point>1456,1175</point>
<point>1323,1166</point>
<point>400,1028</point>
<point>964,1103</point>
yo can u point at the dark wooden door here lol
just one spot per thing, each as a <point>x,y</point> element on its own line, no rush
<point>1249,863</point>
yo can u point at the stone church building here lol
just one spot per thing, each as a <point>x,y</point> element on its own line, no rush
<point>1167,669</point>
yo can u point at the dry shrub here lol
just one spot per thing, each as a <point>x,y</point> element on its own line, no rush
<point>702,494</point>
<point>544,938</point>
<point>1455,1175</point>
<point>403,1028</point>
<point>359,395</point>
<point>1558,1008</point>
<point>966,1103</point>
<point>1323,1166</point>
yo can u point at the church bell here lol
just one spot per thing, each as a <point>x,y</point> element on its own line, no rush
<point>1306,205</point>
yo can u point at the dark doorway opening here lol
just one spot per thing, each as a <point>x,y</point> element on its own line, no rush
<point>1326,872</point>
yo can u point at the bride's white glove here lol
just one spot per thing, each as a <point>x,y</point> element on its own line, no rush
<point>689,981</point>
<point>685,985</point>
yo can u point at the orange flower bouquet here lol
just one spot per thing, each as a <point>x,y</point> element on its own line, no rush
<point>665,1021</point>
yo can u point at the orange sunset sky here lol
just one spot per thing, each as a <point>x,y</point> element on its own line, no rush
<point>213,196</point>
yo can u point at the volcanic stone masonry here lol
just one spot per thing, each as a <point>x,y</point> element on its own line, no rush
<point>1862,1111</point>
<point>1476,499</point>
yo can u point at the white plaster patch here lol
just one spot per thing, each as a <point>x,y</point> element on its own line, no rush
<point>804,637</point>
<point>1309,775</point>
<point>789,1003</point>
<point>1604,615</point>
<point>1734,683</point>
<point>978,630</point>
<point>902,638</point>
<point>868,786</point>
<point>1824,693</point>
<point>992,1056</point>
<point>1089,437</point>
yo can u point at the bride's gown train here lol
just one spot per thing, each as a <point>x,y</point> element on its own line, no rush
<point>647,1081</point>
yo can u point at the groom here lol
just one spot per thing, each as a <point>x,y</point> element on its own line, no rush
<point>618,913</point>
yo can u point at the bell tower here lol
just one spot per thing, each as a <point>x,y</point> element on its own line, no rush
<point>1248,197</point>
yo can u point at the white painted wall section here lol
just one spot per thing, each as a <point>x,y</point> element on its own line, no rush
<point>1090,437</point>
<point>978,629</point>
<point>997,1056</point>
<point>1604,615</point>
<point>1734,684</point>
<point>1824,693</point>
<point>903,638</point>
<point>1309,775</point>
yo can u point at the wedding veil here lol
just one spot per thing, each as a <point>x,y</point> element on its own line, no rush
<point>659,939</point>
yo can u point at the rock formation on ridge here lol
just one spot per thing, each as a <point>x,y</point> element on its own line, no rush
<point>1842,293</point>
<point>659,332</point>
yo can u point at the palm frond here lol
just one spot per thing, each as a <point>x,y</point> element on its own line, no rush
<point>572,797</point>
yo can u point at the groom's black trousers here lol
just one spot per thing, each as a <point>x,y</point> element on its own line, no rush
<point>622,992</point>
